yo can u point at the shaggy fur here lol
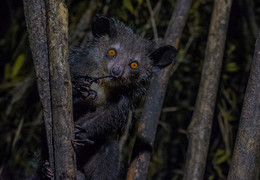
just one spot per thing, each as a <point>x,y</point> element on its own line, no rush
<point>101,105</point>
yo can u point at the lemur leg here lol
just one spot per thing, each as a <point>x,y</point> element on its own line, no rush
<point>104,164</point>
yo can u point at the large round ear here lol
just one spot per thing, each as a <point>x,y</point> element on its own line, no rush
<point>103,26</point>
<point>162,57</point>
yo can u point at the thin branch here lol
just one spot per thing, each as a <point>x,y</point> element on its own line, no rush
<point>246,155</point>
<point>152,19</point>
<point>224,127</point>
<point>155,15</point>
<point>248,8</point>
<point>80,31</point>
<point>165,109</point>
<point>199,130</point>
<point>181,59</point>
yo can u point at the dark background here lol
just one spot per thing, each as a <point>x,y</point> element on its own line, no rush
<point>20,111</point>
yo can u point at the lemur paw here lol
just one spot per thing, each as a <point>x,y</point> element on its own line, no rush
<point>82,88</point>
<point>81,137</point>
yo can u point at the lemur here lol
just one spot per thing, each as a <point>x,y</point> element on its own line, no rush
<point>108,74</point>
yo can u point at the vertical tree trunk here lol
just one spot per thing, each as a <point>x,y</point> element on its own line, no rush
<point>152,108</point>
<point>246,155</point>
<point>35,16</point>
<point>199,130</point>
<point>61,89</point>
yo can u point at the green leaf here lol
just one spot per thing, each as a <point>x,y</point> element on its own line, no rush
<point>231,67</point>
<point>222,159</point>
<point>211,177</point>
<point>8,71</point>
<point>219,152</point>
<point>220,156</point>
<point>18,65</point>
<point>127,4</point>
<point>140,2</point>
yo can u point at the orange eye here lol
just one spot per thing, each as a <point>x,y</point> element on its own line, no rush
<point>112,52</point>
<point>134,65</point>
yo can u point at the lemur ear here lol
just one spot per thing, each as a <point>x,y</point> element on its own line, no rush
<point>162,57</point>
<point>103,26</point>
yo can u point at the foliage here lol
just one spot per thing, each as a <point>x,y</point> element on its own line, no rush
<point>21,123</point>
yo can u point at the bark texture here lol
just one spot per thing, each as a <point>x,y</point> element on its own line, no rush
<point>246,155</point>
<point>199,130</point>
<point>35,15</point>
<point>61,90</point>
<point>152,108</point>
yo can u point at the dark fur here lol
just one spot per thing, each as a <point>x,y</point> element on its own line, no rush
<point>105,113</point>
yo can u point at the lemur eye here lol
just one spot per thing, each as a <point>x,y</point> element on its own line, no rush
<point>112,52</point>
<point>134,65</point>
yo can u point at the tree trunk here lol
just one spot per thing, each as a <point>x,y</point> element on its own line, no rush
<point>61,89</point>
<point>152,108</point>
<point>246,155</point>
<point>199,130</point>
<point>35,15</point>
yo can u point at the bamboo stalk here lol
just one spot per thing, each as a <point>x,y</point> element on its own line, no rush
<point>246,156</point>
<point>199,130</point>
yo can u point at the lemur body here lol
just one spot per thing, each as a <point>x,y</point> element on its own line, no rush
<point>107,75</point>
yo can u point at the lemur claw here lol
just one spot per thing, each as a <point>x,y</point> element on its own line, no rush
<point>47,172</point>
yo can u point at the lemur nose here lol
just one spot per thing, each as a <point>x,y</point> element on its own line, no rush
<point>116,71</point>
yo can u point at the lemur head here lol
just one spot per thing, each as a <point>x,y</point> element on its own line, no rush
<point>124,55</point>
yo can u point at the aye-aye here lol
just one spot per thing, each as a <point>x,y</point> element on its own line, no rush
<point>107,75</point>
